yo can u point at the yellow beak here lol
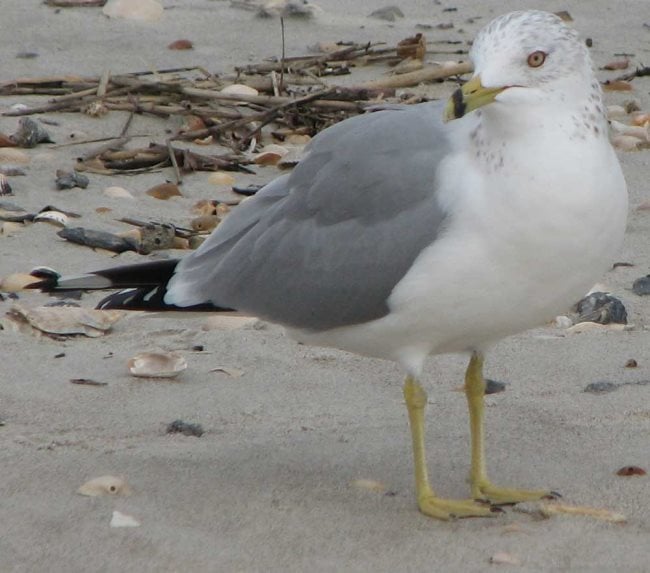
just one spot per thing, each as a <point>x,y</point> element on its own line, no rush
<point>469,97</point>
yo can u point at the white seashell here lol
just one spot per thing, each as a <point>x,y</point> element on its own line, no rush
<point>229,370</point>
<point>120,519</point>
<point>616,112</point>
<point>105,485</point>
<point>69,320</point>
<point>9,228</point>
<point>117,193</point>
<point>157,364</point>
<point>582,327</point>
<point>13,156</point>
<point>141,10</point>
<point>223,322</point>
<point>53,217</point>
<point>638,131</point>
<point>626,142</point>
<point>221,178</point>
<point>563,322</point>
<point>239,89</point>
<point>503,558</point>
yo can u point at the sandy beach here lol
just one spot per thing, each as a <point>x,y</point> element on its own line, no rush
<point>279,480</point>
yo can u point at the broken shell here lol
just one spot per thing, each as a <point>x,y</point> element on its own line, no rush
<point>370,485</point>
<point>13,156</point>
<point>181,45</point>
<point>70,179</point>
<point>204,207</point>
<point>204,223</point>
<point>141,10</point>
<point>225,322</point>
<point>105,485</point>
<point>221,178</point>
<point>55,218</point>
<point>602,308</point>
<point>503,558</point>
<point>120,519</point>
<point>9,228</point>
<point>642,133</point>
<point>616,112</point>
<point>68,320</point>
<point>117,193</point>
<point>30,133</point>
<point>626,142</point>
<point>292,158</point>
<point>155,236</point>
<point>641,118</point>
<point>582,327</point>
<point>96,109</point>
<point>271,154</point>
<point>196,241</point>
<point>297,139</point>
<point>628,471</point>
<point>563,321</point>
<point>157,364</point>
<point>17,281</point>
<point>164,191</point>
<point>5,188</point>
<point>239,89</point>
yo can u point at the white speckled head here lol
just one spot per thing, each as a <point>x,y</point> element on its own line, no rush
<point>501,50</point>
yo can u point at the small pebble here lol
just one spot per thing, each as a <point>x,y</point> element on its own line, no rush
<point>631,363</point>
<point>602,308</point>
<point>185,428</point>
<point>494,386</point>
<point>641,286</point>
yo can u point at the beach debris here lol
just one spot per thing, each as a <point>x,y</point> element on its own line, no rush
<point>239,90</point>
<point>221,178</point>
<point>87,382</point>
<point>563,321</point>
<point>164,191</point>
<point>588,326</point>
<point>181,44</point>
<point>564,15</point>
<point>156,236</point>
<point>494,386</point>
<point>67,320</point>
<point>117,193</point>
<point>369,485</point>
<point>602,308</point>
<point>120,519</point>
<point>229,370</point>
<point>283,8</point>
<point>204,223</point>
<point>70,179</point>
<point>631,363</point>
<point>388,13</point>
<point>140,10</point>
<point>13,156</point>
<point>629,471</point>
<point>185,428</point>
<point>105,485</point>
<point>30,133</point>
<point>56,218</point>
<point>622,64</point>
<point>9,229</point>
<point>550,509</point>
<point>602,387</point>
<point>5,187</point>
<point>229,322</point>
<point>504,558</point>
<point>270,154</point>
<point>98,239</point>
<point>641,286</point>
<point>157,364</point>
<point>414,47</point>
<point>247,191</point>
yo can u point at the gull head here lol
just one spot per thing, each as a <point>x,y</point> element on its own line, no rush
<point>525,57</point>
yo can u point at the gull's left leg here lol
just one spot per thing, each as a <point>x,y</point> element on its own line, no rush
<point>482,488</point>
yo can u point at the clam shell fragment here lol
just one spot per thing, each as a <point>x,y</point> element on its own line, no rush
<point>68,320</point>
<point>157,364</point>
<point>105,485</point>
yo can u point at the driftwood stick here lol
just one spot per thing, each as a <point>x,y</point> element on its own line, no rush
<point>428,74</point>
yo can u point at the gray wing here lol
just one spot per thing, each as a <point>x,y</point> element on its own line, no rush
<point>324,246</point>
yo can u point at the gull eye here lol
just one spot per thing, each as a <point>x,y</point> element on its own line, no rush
<point>536,59</point>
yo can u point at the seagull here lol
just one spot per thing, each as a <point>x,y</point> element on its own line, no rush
<point>425,229</point>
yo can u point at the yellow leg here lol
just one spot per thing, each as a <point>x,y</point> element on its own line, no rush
<point>428,502</point>
<point>481,486</point>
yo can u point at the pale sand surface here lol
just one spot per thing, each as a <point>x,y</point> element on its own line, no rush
<point>268,486</point>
